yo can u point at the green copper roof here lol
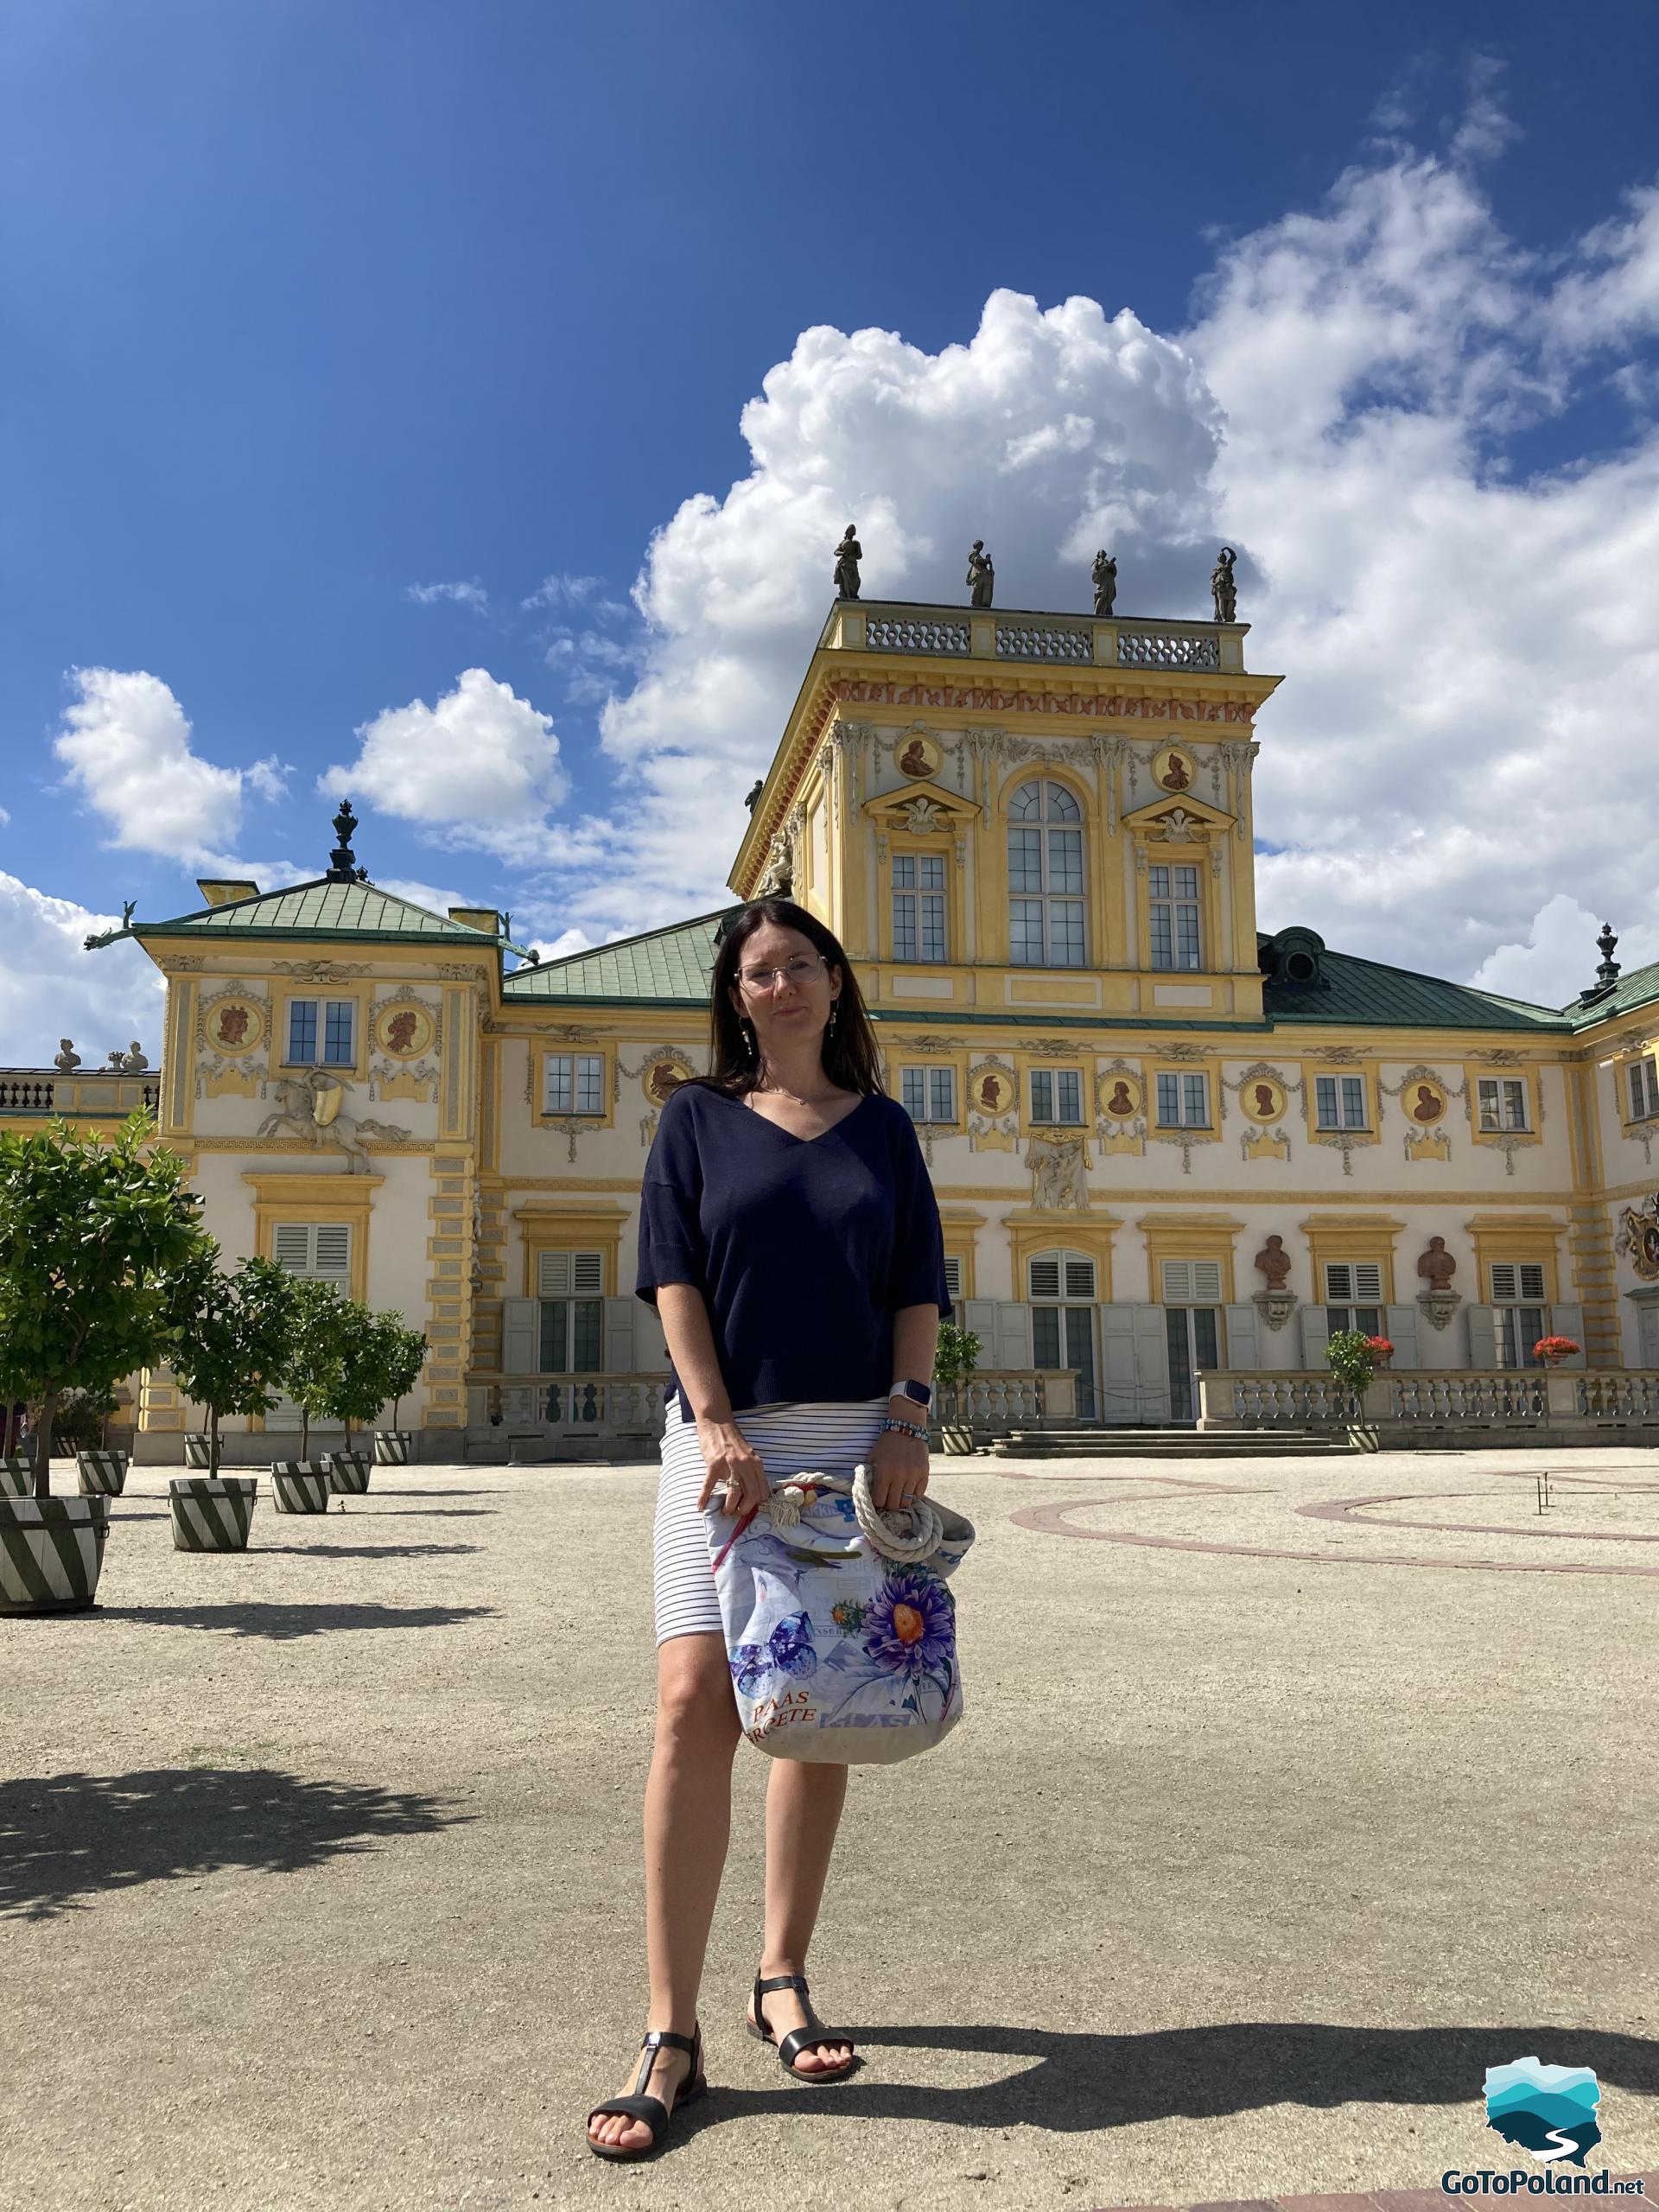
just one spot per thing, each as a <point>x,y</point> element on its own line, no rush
<point>1364,991</point>
<point>670,967</point>
<point>1639,988</point>
<point>322,909</point>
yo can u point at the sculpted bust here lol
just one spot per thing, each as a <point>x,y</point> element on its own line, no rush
<point>1274,1261</point>
<point>1437,1265</point>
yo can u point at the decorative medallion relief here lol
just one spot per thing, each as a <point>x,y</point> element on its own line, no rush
<point>1638,1238</point>
<point>1425,1099</point>
<point>1121,1110</point>
<point>1264,1094</point>
<point>232,1024</point>
<point>992,1107</point>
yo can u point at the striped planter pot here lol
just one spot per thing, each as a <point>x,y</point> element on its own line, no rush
<point>51,1549</point>
<point>16,1476</point>
<point>391,1447</point>
<point>211,1513</point>
<point>349,1471</point>
<point>103,1474</point>
<point>198,1451</point>
<point>300,1485</point>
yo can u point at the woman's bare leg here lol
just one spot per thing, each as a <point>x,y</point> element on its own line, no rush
<point>804,1803</point>
<point>688,1822</point>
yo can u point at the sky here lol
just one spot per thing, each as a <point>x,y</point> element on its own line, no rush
<point>456,407</point>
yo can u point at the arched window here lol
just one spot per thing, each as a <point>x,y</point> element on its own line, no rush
<point>1045,876</point>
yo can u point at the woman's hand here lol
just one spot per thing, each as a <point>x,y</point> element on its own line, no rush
<point>731,1460</point>
<point>898,1471</point>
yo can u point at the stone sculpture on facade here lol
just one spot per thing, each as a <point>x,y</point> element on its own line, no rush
<point>1222,588</point>
<point>1278,1301</point>
<point>849,554</point>
<point>313,1109</point>
<point>1274,1261</point>
<point>1437,1267</point>
<point>1104,573</point>
<point>1059,1175</point>
<point>981,576</point>
<point>67,1057</point>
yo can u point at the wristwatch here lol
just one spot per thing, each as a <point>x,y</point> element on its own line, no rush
<point>918,1392</point>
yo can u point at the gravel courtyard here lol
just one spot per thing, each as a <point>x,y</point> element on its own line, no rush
<point>1266,1833</point>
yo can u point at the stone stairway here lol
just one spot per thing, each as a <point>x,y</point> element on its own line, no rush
<point>1080,1443</point>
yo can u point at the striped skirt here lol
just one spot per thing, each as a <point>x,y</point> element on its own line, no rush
<point>830,1438</point>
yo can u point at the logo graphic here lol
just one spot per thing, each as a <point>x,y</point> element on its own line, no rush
<point>1548,2110</point>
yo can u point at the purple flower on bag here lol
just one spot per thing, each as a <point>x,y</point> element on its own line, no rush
<point>911,1626</point>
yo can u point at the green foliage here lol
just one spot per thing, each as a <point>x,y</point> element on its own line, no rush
<point>78,1425</point>
<point>230,1335</point>
<point>1352,1358</point>
<point>405,1355</point>
<point>359,1389</point>
<point>956,1358</point>
<point>92,1234</point>
<point>314,1365</point>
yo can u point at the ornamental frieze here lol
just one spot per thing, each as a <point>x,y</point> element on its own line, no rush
<point>982,699</point>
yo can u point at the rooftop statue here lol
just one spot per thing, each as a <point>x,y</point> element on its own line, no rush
<point>751,797</point>
<point>68,1056</point>
<point>849,554</point>
<point>1222,588</point>
<point>133,1060</point>
<point>981,575</point>
<point>1104,573</point>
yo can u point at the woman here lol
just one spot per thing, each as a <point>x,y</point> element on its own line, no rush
<point>790,1241</point>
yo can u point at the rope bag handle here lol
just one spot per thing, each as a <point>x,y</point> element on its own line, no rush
<point>879,1529</point>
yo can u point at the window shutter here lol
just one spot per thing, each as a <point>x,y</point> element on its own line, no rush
<point>1316,1334</point>
<point>1338,1283</point>
<point>616,1353</point>
<point>1368,1283</point>
<point>1503,1280</point>
<point>292,1246</point>
<point>649,1345</point>
<point>1178,1282</point>
<point>570,1274</point>
<point>520,1336</point>
<point>553,1274</point>
<point>1079,1278</point>
<point>1206,1282</point>
<point>1568,1321</point>
<point>1014,1337</point>
<point>953,1278</point>
<point>1482,1337</point>
<point>1399,1327</point>
<point>1532,1284</point>
<point>333,1248</point>
<point>320,1250</point>
<point>1243,1347</point>
<point>586,1274</point>
<point>1045,1278</point>
<point>978,1317</point>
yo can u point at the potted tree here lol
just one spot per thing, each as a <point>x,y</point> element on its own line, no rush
<point>92,1234</point>
<point>359,1389</point>
<point>956,1358</point>
<point>230,1335</point>
<point>82,1425</point>
<point>1352,1357</point>
<point>405,1355</point>
<point>310,1377</point>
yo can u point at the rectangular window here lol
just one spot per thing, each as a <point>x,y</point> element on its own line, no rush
<point>1354,1281</point>
<point>1644,1089</point>
<point>1065,932</point>
<point>574,1083</point>
<point>1183,1102</point>
<point>918,906</point>
<point>337,1051</point>
<point>1518,1310</point>
<point>1025,861</point>
<point>1046,1335</point>
<point>1173,900</point>
<point>1501,1103</point>
<point>953,1278</point>
<point>930,1094</point>
<point>1339,1102</point>
<point>302,1033</point>
<point>1057,1096</point>
<point>1191,1283</point>
<point>569,1285</point>
<point>319,1249</point>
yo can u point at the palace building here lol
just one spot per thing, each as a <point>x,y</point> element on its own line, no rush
<point>1170,1154</point>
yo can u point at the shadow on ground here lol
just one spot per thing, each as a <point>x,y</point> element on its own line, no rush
<point>1075,2084</point>
<point>282,1624</point>
<point>64,1837</point>
<point>367,1551</point>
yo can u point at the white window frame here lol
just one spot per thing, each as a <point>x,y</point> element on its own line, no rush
<point>1643,1079</point>
<point>1191,1106</point>
<point>1166,900</point>
<point>582,1069</point>
<point>1341,1101</point>
<point>322,1010</point>
<point>1502,1107</point>
<point>1061,1086</point>
<point>1353,1289</point>
<point>1518,1288</point>
<point>920,907</point>
<point>318,1251</point>
<point>928,1094</point>
<point>1191,1282</point>
<point>1050,820</point>
<point>570,1278</point>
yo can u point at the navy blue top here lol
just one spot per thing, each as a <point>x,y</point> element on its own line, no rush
<point>803,1247</point>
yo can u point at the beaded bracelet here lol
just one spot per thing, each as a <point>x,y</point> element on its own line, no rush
<point>904,1428</point>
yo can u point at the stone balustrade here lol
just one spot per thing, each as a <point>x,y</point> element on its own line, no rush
<point>996,1403</point>
<point>1454,1408</point>
<point>1017,634</point>
<point>105,1092</point>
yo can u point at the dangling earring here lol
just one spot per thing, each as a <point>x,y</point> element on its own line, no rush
<point>835,1009</point>
<point>748,1038</point>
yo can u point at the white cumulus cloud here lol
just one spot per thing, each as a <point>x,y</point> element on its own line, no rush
<point>51,987</point>
<point>471,593</point>
<point>479,767</point>
<point>126,743</point>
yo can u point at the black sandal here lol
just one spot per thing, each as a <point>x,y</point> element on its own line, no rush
<point>651,2110</point>
<point>798,2039</point>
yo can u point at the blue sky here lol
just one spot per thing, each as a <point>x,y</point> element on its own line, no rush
<point>334,333</point>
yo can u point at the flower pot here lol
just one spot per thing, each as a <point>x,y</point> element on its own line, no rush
<point>300,1485</point>
<point>16,1476</point>
<point>103,1474</point>
<point>392,1447</point>
<point>51,1549</point>
<point>198,1451</point>
<point>211,1513</point>
<point>955,1440</point>
<point>349,1471</point>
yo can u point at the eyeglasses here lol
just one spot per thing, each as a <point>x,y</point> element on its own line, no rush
<point>796,973</point>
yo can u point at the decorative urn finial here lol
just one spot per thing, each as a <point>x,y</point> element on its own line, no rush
<point>342,861</point>
<point>1605,944</point>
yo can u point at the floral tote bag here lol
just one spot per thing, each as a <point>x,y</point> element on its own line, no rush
<point>840,1624</point>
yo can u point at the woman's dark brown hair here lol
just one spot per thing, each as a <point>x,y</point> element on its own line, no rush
<point>850,1058</point>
